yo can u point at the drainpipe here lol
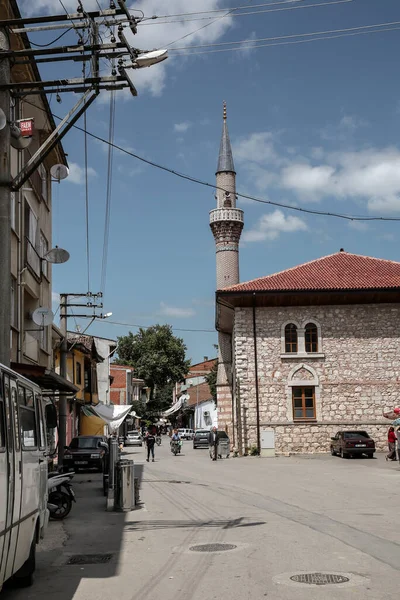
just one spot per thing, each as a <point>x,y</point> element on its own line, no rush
<point>256,375</point>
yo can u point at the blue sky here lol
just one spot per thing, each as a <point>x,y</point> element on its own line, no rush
<point>312,125</point>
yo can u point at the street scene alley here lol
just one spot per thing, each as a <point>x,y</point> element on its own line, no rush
<point>282,517</point>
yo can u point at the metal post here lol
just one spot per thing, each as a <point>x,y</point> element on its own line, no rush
<point>62,406</point>
<point>256,377</point>
<point>5,202</point>
<point>196,421</point>
<point>113,453</point>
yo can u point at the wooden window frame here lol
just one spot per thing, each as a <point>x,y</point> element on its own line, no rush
<point>303,406</point>
<point>291,345</point>
<point>311,341</point>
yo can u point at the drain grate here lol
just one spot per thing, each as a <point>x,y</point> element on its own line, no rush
<point>89,559</point>
<point>212,547</point>
<point>319,578</point>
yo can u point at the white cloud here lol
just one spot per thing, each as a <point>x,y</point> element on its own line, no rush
<point>152,35</point>
<point>271,225</point>
<point>182,127</point>
<point>344,129</point>
<point>256,148</point>
<point>359,225</point>
<point>306,179</point>
<point>77,173</point>
<point>175,311</point>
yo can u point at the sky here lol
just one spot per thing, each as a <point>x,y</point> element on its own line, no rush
<point>313,125</point>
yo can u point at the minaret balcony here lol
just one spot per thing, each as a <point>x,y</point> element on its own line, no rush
<point>226,214</point>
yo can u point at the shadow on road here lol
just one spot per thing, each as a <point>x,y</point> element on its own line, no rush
<point>212,523</point>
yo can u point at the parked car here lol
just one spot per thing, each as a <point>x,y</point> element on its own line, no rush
<point>352,443</point>
<point>186,434</point>
<point>133,438</point>
<point>87,452</point>
<point>200,438</point>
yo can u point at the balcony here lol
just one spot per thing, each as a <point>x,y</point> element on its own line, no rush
<point>226,214</point>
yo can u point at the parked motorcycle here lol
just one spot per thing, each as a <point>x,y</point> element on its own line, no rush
<point>60,494</point>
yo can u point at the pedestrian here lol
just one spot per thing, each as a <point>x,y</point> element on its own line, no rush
<point>398,443</point>
<point>213,442</point>
<point>150,441</point>
<point>392,444</point>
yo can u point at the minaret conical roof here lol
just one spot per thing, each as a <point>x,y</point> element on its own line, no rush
<point>225,157</point>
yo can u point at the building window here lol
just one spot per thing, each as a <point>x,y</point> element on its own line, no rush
<point>43,249</point>
<point>290,338</point>
<point>14,304</point>
<point>31,236</point>
<point>78,373</point>
<point>43,176</point>
<point>303,399</point>
<point>311,337</point>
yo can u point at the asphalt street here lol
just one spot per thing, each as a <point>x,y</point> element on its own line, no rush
<point>281,518</point>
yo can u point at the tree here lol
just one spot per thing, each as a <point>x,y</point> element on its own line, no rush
<point>211,379</point>
<point>157,356</point>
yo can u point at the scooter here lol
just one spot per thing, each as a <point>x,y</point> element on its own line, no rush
<point>60,494</point>
<point>176,447</point>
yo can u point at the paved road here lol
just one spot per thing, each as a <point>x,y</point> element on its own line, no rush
<point>284,516</point>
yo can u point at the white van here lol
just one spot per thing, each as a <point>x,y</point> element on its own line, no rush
<point>23,474</point>
<point>186,434</point>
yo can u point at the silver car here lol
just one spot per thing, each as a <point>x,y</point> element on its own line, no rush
<point>133,438</point>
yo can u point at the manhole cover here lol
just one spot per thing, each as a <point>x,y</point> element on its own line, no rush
<point>212,547</point>
<point>89,559</point>
<point>319,578</point>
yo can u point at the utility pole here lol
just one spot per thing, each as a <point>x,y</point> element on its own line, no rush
<point>5,203</point>
<point>62,406</point>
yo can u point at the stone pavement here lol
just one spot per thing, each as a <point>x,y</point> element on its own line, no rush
<point>284,516</point>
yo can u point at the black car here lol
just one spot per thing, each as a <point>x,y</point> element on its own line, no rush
<point>200,438</point>
<point>87,452</point>
<point>352,443</point>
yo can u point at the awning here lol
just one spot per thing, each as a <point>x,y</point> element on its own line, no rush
<point>46,379</point>
<point>174,408</point>
<point>111,414</point>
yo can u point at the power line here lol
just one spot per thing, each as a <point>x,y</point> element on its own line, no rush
<point>87,200</point>
<point>239,194</point>
<point>53,41</point>
<point>149,326</point>
<point>108,192</point>
<point>244,14</point>
<point>347,31</point>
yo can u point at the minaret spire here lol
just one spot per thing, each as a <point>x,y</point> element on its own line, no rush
<point>226,221</point>
<point>225,157</point>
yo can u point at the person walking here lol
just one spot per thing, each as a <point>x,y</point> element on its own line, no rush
<point>213,442</point>
<point>392,444</point>
<point>398,443</point>
<point>150,440</point>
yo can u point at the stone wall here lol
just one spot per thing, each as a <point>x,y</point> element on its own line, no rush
<point>356,372</point>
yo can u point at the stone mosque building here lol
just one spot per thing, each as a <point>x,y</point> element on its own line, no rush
<point>306,352</point>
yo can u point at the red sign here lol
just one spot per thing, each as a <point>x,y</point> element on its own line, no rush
<point>26,127</point>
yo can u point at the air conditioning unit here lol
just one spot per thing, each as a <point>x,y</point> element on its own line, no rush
<point>206,413</point>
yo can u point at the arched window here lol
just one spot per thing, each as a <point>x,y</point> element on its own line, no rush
<point>290,338</point>
<point>311,337</point>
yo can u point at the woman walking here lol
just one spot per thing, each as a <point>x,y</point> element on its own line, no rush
<point>391,444</point>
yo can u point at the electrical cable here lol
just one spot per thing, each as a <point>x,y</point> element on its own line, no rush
<point>148,327</point>
<point>86,188</point>
<point>202,27</point>
<point>52,42</point>
<point>108,192</point>
<point>201,182</point>
<point>244,14</point>
<point>347,31</point>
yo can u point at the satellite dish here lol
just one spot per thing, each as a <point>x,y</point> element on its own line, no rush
<point>151,58</point>
<point>3,120</point>
<point>56,256</point>
<point>59,172</point>
<point>17,140</point>
<point>42,316</point>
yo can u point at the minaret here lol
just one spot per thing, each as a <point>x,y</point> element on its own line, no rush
<point>226,222</point>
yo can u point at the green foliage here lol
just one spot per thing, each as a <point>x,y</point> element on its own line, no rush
<point>254,451</point>
<point>211,379</point>
<point>157,356</point>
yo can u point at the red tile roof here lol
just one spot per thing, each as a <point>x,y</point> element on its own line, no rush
<point>340,271</point>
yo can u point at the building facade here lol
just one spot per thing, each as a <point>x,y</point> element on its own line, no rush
<point>125,387</point>
<point>316,349</point>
